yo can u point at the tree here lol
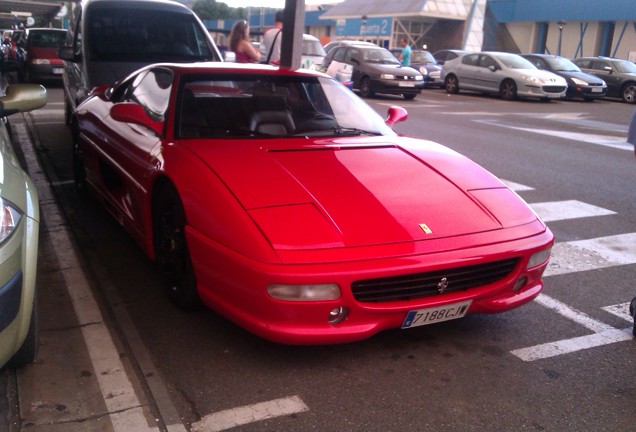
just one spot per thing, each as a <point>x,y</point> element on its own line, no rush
<point>211,9</point>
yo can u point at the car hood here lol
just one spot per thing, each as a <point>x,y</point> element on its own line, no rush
<point>380,68</point>
<point>362,192</point>
<point>580,75</point>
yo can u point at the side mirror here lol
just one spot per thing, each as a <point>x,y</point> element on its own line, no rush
<point>493,68</point>
<point>22,98</point>
<point>396,114</point>
<point>355,61</point>
<point>128,112</point>
<point>608,69</point>
<point>66,53</point>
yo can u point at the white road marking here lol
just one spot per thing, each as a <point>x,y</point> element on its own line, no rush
<point>517,187</point>
<point>573,314</point>
<point>584,255</point>
<point>566,346</point>
<point>563,210</point>
<point>604,140</point>
<point>126,411</point>
<point>231,418</point>
<point>620,310</point>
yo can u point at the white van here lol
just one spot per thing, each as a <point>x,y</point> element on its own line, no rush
<point>109,39</point>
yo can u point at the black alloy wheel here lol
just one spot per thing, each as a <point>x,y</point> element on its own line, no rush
<point>173,255</point>
<point>629,93</point>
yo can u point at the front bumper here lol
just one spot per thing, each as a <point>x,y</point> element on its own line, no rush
<point>236,287</point>
<point>396,86</point>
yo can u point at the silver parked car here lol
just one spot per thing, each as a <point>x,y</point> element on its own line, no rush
<point>508,75</point>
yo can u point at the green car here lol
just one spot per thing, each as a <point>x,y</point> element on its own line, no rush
<point>19,227</point>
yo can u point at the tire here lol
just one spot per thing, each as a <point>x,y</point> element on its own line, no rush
<point>451,84</point>
<point>365,87</point>
<point>628,93</point>
<point>172,251</point>
<point>508,90</point>
<point>29,349</point>
<point>409,96</point>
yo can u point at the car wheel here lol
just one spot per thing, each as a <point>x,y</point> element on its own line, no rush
<point>409,96</point>
<point>29,349</point>
<point>451,84</point>
<point>629,93</point>
<point>508,90</point>
<point>172,251</point>
<point>365,87</point>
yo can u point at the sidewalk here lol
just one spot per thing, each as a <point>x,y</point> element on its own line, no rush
<point>86,376</point>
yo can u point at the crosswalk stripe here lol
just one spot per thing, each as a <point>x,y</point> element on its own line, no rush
<point>563,210</point>
<point>584,255</point>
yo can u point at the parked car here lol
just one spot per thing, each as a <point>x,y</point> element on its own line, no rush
<point>39,60</point>
<point>18,237</point>
<point>331,45</point>
<point>580,84</point>
<point>620,75</point>
<point>373,70</point>
<point>508,75</point>
<point>312,54</point>
<point>424,62</point>
<point>286,203</point>
<point>108,39</point>
<point>442,56</point>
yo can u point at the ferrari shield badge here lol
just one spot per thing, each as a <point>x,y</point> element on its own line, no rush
<point>426,229</point>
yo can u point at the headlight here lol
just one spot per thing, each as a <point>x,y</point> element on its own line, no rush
<point>533,79</point>
<point>423,70</point>
<point>9,219</point>
<point>317,292</point>
<point>580,82</point>
<point>419,77</point>
<point>387,76</point>
<point>539,258</point>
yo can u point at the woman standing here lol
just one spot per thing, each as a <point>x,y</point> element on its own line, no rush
<point>240,44</point>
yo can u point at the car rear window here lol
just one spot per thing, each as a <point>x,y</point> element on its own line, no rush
<point>47,39</point>
<point>146,36</point>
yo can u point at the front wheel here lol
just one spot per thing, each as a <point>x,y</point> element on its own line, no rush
<point>629,93</point>
<point>365,87</point>
<point>451,84</point>
<point>409,96</point>
<point>508,90</point>
<point>172,251</point>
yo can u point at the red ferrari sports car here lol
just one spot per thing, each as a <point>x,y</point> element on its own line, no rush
<point>285,203</point>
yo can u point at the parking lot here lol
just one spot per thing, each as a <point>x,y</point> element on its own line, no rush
<point>564,362</point>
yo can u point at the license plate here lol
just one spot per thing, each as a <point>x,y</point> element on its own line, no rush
<point>406,84</point>
<point>58,71</point>
<point>554,95</point>
<point>597,90</point>
<point>420,317</point>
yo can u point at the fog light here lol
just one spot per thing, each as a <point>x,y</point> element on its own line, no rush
<point>337,315</point>
<point>520,283</point>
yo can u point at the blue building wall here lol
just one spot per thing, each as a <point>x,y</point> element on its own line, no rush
<point>570,10</point>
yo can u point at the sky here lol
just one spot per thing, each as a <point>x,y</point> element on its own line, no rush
<point>270,3</point>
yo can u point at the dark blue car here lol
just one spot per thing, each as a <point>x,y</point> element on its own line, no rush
<point>581,85</point>
<point>424,62</point>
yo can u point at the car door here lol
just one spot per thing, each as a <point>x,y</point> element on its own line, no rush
<point>468,72</point>
<point>488,74</point>
<point>129,151</point>
<point>606,71</point>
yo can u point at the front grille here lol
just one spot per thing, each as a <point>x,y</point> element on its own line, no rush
<point>420,285</point>
<point>553,89</point>
<point>405,78</point>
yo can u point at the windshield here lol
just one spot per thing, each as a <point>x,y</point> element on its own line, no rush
<point>379,55</point>
<point>147,36</point>
<point>47,39</point>
<point>625,66</point>
<point>562,64</point>
<point>230,106</point>
<point>514,61</point>
<point>313,48</point>
<point>422,57</point>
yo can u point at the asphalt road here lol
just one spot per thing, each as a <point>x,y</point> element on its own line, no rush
<point>565,362</point>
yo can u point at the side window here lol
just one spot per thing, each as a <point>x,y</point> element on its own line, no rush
<point>599,65</point>
<point>339,54</point>
<point>487,61</point>
<point>470,60</point>
<point>152,91</point>
<point>585,64</point>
